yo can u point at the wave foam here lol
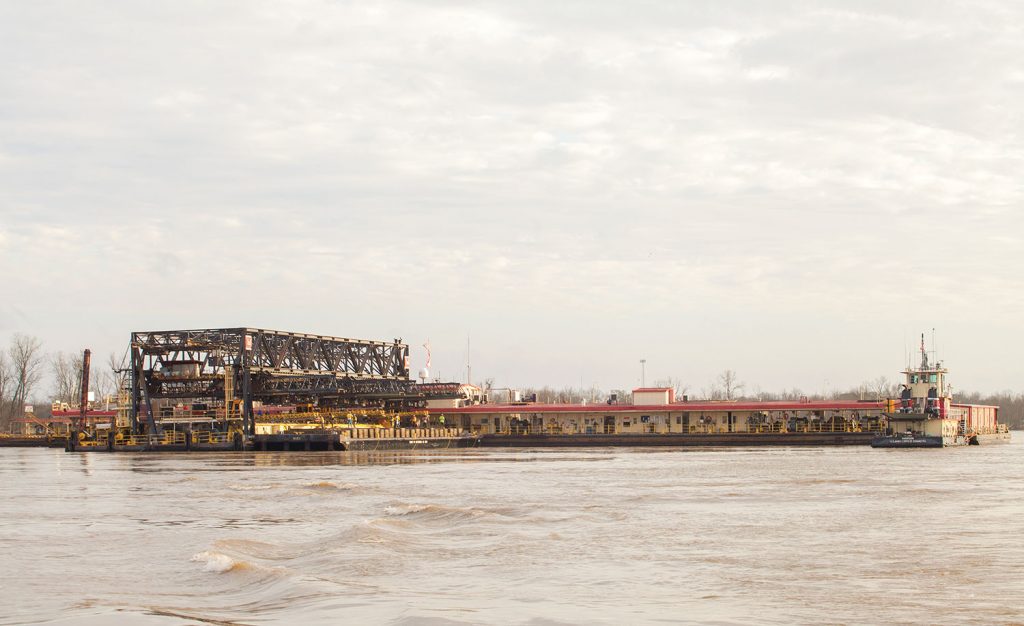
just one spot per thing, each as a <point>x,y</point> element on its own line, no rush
<point>326,484</point>
<point>219,563</point>
<point>238,487</point>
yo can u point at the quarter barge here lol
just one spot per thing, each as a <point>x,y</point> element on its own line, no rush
<point>657,420</point>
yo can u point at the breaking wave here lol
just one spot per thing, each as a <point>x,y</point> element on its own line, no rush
<point>220,563</point>
<point>328,485</point>
<point>257,549</point>
<point>260,487</point>
<point>434,513</point>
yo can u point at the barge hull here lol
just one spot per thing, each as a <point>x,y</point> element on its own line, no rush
<point>677,440</point>
<point>333,442</point>
<point>412,444</point>
<point>991,438</point>
<point>32,442</point>
<point>291,442</point>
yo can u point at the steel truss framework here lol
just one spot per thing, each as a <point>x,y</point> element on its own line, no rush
<point>266,365</point>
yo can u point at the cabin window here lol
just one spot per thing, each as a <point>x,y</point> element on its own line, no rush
<point>645,419</point>
<point>485,420</point>
<point>625,423</point>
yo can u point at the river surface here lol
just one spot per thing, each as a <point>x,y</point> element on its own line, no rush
<point>538,537</point>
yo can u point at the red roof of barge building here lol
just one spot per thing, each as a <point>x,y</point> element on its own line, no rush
<point>827,405</point>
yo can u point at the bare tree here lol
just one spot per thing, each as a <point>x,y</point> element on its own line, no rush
<point>107,382</point>
<point>26,353</point>
<point>883,388</point>
<point>99,383</point>
<point>60,370</point>
<point>67,377</point>
<point>678,387</point>
<point>593,394</point>
<point>793,394</point>
<point>550,395</point>
<point>711,392</point>
<point>119,372</point>
<point>729,384</point>
<point>5,380</point>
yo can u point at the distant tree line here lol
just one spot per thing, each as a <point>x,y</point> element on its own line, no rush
<point>24,366</point>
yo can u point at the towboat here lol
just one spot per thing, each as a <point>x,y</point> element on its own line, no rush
<point>925,415</point>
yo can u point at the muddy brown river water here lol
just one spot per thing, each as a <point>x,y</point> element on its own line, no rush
<point>598,536</point>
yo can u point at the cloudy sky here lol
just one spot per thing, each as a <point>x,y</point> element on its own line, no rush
<point>793,190</point>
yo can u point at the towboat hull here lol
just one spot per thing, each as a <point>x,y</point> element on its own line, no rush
<point>916,441</point>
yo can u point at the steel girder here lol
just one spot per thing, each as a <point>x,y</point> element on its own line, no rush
<point>439,390</point>
<point>341,389</point>
<point>268,365</point>
<point>266,386</point>
<point>278,352</point>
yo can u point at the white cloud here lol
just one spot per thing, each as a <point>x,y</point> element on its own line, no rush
<point>768,72</point>
<point>681,179</point>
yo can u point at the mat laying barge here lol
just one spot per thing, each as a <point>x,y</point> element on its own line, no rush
<point>249,388</point>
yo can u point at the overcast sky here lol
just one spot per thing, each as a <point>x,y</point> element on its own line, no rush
<point>794,190</point>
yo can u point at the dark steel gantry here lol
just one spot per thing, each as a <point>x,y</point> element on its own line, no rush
<point>268,365</point>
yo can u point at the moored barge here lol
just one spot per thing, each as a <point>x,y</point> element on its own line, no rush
<point>656,419</point>
<point>252,389</point>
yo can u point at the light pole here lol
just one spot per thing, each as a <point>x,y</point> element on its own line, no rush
<point>643,371</point>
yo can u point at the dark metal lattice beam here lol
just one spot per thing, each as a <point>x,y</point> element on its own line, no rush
<point>267,364</point>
